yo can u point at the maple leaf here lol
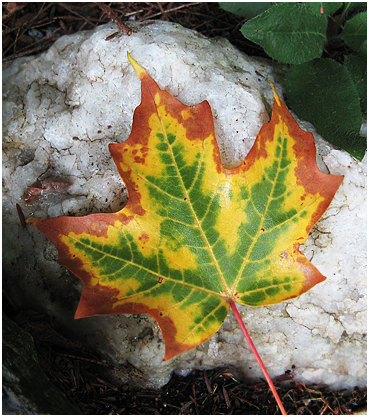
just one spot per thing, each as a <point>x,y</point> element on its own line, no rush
<point>195,236</point>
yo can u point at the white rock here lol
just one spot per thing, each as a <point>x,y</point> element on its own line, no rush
<point>65,106</point>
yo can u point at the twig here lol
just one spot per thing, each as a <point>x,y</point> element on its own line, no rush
<point>207,382</point>
<point>114,18</point>
<point>133,13</point>
<point>28,24</point>
<point>28,51</point>
<point>67,7</point>
<point>37,46</point>
<point>258,358</point>
<point>174,9</point>
<point>226,397</point>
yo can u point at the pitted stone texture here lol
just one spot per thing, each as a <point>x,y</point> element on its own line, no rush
<point>60,112</point>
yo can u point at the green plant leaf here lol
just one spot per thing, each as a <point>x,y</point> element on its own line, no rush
<point>357,6</point>
<point>357,67</point>
<point>322,92</point>
<point>248,10</point>
<point>328,7</point>
<point>195,236</point>
<point>288,32</point>
<point>355,33</point>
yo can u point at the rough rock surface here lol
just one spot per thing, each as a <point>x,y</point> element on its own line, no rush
<point>60,112</point>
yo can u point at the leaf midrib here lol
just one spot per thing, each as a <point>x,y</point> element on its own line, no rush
<point>188,200</point>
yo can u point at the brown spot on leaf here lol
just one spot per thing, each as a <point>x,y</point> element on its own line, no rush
<point>139,160</point>
<point>144,237</point>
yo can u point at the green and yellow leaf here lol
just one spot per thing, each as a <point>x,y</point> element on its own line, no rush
<point>195,235</point>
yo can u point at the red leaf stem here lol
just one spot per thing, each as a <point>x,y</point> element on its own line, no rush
<point>258,358</point>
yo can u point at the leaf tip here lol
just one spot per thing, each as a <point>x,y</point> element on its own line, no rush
<point>137,67</point>
<point>276,96</point>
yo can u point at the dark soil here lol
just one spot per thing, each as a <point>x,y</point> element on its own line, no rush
<point>30,28</point>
